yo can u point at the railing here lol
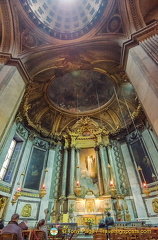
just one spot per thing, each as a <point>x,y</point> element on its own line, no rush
<point>127,233</point>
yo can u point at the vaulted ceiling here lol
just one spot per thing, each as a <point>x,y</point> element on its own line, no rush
<point>71,53</point>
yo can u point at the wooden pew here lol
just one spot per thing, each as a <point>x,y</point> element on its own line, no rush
<point>99,236</point>
<point>38,234</point>
<point>8,236</point>
<point>27,234</point>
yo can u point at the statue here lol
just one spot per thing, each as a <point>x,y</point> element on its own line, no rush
<point>87,185</point>
<point>3,201</point>
<point>89,163</point>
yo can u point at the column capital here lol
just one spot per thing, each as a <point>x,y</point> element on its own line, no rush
<point>73,146</point>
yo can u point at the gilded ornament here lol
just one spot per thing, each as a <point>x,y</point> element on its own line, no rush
<point>146,191</point>
<point>26,210</point>
<point>42,193</point>
<point>13,201</point>
<point>77,191</point>
<point>2,202</point>
<point>155,205</point>
<point>17,194</point>
<point>127,216</point>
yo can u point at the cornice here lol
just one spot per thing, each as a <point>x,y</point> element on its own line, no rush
<point>7,59</point>
<point>136,38</point>
<point>138,21</point>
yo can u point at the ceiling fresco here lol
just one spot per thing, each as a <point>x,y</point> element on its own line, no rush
<point>81,90</point>
<point>54,106</point>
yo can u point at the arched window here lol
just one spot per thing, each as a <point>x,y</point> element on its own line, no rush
<point>7,159</point>
<point>10,161</point>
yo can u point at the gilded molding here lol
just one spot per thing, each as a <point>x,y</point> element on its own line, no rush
<point>26,194</point>
<point>5,189</point>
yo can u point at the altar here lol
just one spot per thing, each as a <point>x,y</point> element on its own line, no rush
<point>93,219</point>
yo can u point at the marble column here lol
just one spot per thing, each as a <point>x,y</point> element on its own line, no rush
<point>78,166</point>
<point>72,172</point>
<point>57,175</point>
<point>106,162</point>
<point>104,167</point>
<point>134,184</point>
<point>140,59</point>
<point>100,182</point>
<point>12,90</point>
<point>112,170</point>
<point>64,177</point>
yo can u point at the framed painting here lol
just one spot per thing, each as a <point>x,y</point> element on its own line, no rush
<point>34,172</point>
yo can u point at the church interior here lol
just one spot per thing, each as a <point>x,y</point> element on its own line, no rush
<point>78,110</point>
